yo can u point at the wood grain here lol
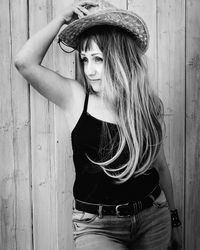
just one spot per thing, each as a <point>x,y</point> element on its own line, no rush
<point>63,64</point>
<point>43,146</point>
<point>15,202</point>
<point>7,179</point>
<point>192,213</point>
<point>147,10</point>
<point>171,78</point>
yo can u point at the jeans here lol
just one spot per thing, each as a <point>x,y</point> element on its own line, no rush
<point>148,230</point>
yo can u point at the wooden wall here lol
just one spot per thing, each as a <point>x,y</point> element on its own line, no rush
<point>36,170</point>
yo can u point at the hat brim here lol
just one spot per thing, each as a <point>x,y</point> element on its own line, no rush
<point>126,20</point>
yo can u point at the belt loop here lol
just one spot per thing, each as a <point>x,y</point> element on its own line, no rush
<point>100,211</point>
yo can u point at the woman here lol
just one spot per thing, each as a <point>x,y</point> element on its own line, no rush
<point>115,119</point>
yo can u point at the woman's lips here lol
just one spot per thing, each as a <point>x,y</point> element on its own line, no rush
<point>93,80</point>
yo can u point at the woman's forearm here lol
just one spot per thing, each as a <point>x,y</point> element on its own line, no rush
<point>36,47</point>
<point>165,177</point>
<point>166,185</point>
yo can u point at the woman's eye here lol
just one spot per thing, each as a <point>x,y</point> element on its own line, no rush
<point>84,59</point>
<point>98,59</point>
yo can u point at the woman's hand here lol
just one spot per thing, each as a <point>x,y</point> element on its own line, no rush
<point>76,11</point>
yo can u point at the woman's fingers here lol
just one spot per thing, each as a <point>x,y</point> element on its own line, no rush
<point>80,12</point>
<point>88,4</point>
<point>81,9</point>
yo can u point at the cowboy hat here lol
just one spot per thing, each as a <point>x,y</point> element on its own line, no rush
<point>106,14</point>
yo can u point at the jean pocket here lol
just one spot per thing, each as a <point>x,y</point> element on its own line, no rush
<point>159,204</point>
<point>81,216</point>
<point>81,222</point>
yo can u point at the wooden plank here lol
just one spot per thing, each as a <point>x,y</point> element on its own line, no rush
<point>171,80</point>
<point>43,148</point>
<point>15,230</point>
<point>147,10</point>
<point>7,189</point>
<point>119,4</point>
<point>21,136</point>
<point>192,213</point>
<point>64,64</point>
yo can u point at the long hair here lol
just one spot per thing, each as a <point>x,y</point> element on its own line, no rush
<point>139,111</point>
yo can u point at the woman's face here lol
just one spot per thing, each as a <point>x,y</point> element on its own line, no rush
<point>93,66</point>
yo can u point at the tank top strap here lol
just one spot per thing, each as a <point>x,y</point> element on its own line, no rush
<point>86,103</point>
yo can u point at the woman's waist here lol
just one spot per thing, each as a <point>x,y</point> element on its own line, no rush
<point>119,209</point>
<point>109,193</point>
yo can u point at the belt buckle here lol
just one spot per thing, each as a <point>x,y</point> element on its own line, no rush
<point>118,212</point>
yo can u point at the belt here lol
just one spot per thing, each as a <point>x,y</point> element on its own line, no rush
<point>121,210</point>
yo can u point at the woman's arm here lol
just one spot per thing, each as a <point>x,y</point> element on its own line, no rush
<point>165,177</point>
<point>48,83</point>
<point>166,185</point>
<point>36,47</point>
<point>53,86</point>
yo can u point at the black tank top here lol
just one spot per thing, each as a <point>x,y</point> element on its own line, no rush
<point>92,184</point>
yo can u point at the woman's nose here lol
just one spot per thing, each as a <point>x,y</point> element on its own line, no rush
<point>90,69</point>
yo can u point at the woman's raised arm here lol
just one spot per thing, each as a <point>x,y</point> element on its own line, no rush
<point>53,86</point>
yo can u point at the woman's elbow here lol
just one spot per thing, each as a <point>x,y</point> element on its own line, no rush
<point>19,63</point>
<point>23,66</point>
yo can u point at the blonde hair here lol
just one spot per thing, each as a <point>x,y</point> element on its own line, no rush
<point>139,110</point>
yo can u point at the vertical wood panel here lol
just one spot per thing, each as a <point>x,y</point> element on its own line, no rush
<point>171,80</point>
<point>43,147</point>
<point>21,131</point>
<point>192,214</point>
<point>15,212</point>
<point>122,4</point>
<point>147,10</point>
<point>7,202</point>
<point>64,64</point>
